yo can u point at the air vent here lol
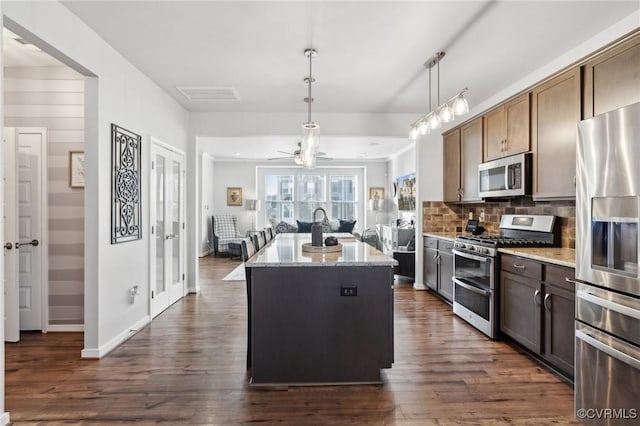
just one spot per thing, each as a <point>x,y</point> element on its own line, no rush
<point>209,93</point>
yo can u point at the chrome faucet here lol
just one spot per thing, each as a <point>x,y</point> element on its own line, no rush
<point>323,212</point>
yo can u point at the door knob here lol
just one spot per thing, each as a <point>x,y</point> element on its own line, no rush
<point>34,243</point>
<point>8,246</point>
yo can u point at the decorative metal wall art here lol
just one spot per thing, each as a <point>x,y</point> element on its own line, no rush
<point>126,209</point>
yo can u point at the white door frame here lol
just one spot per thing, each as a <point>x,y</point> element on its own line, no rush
<point>155,145</point>
<point>11,255</point>
<point>44,223</point>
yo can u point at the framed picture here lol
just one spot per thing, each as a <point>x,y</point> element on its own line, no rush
<point>376,193</point>
<point>406,192</point>
<point>234,196</point>
<point>76,169</point>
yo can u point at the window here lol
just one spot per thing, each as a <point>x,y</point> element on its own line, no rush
<point>279,198</point>
<point>291,195</point>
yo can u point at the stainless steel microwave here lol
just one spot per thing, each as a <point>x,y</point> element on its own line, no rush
<point>505,177</point>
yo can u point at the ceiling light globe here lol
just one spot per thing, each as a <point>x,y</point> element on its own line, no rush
<point>446,114</point>
<point>413,133</point>
<point>460,105</point>
<point>434,122</point>
<point>423,128</point>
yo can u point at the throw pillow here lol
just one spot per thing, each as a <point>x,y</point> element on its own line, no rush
<point>346,225</point>
<point>335,224</point>
<point>326,226</point>
<point>304,226</point>
<point>284,227</point>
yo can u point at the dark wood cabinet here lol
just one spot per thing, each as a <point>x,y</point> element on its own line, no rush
<point>462,155</point>
<point>438,266</point>
<point>611,79</point>
<point>555,113</point>
<point>451,165</point>
<point>559,314</point>
<point>537,309</point>
<point>520,288</point>
<point>507,129</point>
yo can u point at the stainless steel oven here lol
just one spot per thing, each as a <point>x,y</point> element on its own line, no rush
<point>474,289</point>
<point>476,266</point>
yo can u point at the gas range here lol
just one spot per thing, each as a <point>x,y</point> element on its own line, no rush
<point>515,231</point>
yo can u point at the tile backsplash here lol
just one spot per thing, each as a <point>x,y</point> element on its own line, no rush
<point>444,217</point>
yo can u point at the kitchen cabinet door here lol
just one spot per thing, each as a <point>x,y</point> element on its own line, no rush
<point>520,316</point>
<point>430,268</point>
<point>559,309</point>
<point>451,166</point>
<point>612,79</point>
<point>446,270</point>
<point>471,157</point>
<point>559,312</point>
<point>507,129</point>
<point>555,114</point>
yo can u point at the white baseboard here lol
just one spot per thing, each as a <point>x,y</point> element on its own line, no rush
<point>4,419</point>
<point>206,253</point>
<point>65,328</point>
<point>116,341</point>
<point>418,286</point>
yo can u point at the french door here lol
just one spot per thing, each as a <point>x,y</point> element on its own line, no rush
<point>167,251</point>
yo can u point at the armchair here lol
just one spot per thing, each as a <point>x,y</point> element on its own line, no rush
<point>224,230</point>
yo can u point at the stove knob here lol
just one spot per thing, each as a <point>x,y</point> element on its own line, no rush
<point>470,247</point>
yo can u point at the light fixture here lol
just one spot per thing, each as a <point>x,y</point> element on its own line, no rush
<point>310,130</point>
<point>442,113</point>
<point>253,206</point>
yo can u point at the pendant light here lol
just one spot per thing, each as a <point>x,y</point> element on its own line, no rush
<point>310,130</point>
<point>442,113</point>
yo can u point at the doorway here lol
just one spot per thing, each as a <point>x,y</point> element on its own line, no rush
<point>24,252</point>
<point>167,217</point>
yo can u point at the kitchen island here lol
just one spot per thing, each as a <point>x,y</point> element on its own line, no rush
<point>321,318</point>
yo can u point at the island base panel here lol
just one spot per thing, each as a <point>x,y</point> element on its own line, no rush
<point>308,326</point>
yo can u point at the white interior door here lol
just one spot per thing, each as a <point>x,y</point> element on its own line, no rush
<point>30,205</point>
<point>11,311</point>
<point>167,249</point>
<point>24,204</point>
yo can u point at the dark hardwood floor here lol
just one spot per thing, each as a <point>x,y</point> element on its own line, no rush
<point>188,367</point>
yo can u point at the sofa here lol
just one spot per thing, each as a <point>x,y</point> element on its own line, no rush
<point>338,225</point>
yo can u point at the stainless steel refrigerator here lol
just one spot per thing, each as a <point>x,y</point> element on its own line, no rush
<point>607,376</point>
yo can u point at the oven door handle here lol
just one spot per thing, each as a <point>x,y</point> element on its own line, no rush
<point>471,256</point>
<point>471,288</point>
<point>612,352</point>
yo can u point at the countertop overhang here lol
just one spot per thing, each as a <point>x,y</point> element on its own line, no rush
<point>285,250</point>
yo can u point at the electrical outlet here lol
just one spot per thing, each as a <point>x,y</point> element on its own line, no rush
<point>481,215</point>
<point>470,215</point>
<point>348,290</point>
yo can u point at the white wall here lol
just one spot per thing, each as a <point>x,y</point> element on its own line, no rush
<point>206,179</point>
<point>120,94</point>
<point>4,416</point>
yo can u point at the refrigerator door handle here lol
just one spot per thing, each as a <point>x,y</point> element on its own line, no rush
<point>608,304</point>
<point>612,352</point>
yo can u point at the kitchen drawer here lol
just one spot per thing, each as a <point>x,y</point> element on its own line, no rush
<point>446,246</point>
<point>558,275</point>
<point>521,266</point>
<point>430,242</point>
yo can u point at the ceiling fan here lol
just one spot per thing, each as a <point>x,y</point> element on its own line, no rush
<point>295,155</point>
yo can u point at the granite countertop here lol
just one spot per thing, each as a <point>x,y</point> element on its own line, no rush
<point>442,235</point>
<point>285,250</point>
<point>556,255</point>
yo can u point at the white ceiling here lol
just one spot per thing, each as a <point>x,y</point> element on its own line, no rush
<point>370,53</point>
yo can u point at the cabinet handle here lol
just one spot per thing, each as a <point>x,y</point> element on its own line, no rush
<point>518,266</point>
<point>438,259</point>
<point>536,297</point>
<point>569,280</point>
<point>547,301</point>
